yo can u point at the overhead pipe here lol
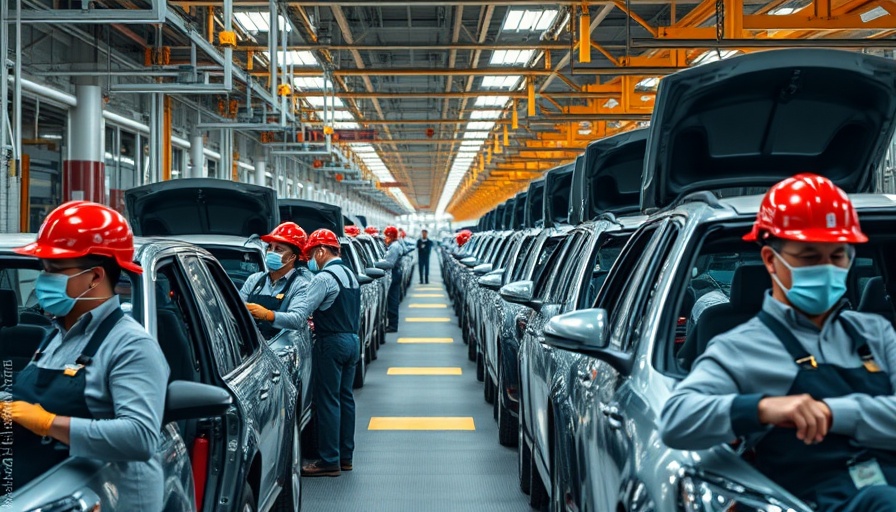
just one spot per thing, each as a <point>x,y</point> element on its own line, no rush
<point>763,43</point>
<point>155,14</point>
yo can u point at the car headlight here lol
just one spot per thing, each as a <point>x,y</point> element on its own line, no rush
<point>701,492</point>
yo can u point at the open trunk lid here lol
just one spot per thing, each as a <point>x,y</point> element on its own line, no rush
<point>313,215</point>
<point>535,204</point>
<point>610,179</point>
<point>557,188</point>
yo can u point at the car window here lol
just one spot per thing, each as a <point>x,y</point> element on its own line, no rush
<point>603,256</point>
<point>519,261</point>
<point>569,267</point>
<point>547,273</point>
<point>176,321</point>
<point>238,263</point>
<point>235,312</point>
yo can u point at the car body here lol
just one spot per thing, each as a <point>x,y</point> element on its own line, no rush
<point>839,110</point>
<point>207,337</point>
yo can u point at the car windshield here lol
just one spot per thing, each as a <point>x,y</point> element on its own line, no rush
<point>239,263</point>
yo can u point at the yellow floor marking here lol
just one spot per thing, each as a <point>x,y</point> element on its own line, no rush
<point>432,423</point>
<point>426,340</point>
<point>428,295</point>
<point>428,319</point>
<point>429,288</point>
<point>424,371</point>
<point>428,306</point>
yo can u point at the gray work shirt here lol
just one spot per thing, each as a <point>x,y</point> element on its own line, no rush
<point>126,383</point>
<point>324,288</point>
<point>394,253</point>
<point>289,316</point>
<point>718,401</point>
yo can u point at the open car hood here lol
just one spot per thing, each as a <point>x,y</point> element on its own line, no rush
<point>498,221</point>
<point>754,120</point>
<point>201,206</point>
<point>610,180</point>
<point>557,188</point>
<point>535,204</point>
<point>312,215</point>
<point>577,193</point>
<point>509,208</point>
<point>519,211</point>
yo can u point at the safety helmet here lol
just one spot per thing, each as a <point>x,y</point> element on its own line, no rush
<point>288,233</point>
<point>371,230</point>
<point>463,237</point>
<point>352,230</point>
<point>81,228</point>
<point>320,237</point>
<point>390,232</point>
<point>807,208</point>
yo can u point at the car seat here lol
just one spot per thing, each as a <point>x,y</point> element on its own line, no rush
<point>747,294</point>
<point>875,299</point>
<point>18,343</point>
<point>176,346</point>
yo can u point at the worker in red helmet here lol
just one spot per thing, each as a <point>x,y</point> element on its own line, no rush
<point>463,237</point>
<point>334,297</point>
<point>807,383</point>
<point>95,387</point>
<point>372,231</point>
<point>394,252</point>
<point>352,231</point>
<point>272,294</point>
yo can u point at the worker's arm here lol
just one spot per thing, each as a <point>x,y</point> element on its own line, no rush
<point>321,287</point>
<point>250,284</point>
<point>871,420</point>
<point>293,316</point>
<point>138,381</point>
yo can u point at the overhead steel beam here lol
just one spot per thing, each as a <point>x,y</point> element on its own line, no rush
<point>412,47</point>
<point>559,118</point>
<point>155,14</point>
<point>422,3</point>
<point>763,43</point>
<point>461,95</point>
<point>610,71</point>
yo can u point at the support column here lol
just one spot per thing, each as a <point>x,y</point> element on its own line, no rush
<point>197,157</point>
<point>260,169</point>
<point>84,172</point>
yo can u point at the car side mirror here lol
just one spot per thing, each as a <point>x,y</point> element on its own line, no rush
<point>587,332</point>
<point>520,292</point>
<point>482,269</point>
<point>491,281</point>
<point>383,265</point>
<point>374,272</point>
<point>187,400</point>
<point>364,279</point>
<point>470,261</point>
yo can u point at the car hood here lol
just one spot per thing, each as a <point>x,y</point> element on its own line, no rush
<point>754,120</point>
<point>535,204</point>
<point>312,215</point>
<point>576,195</point>
<point>557,187</point>
<point>201,206</point>
<point>509,208</point>
<point>519,211</point>
<point>610,180</point>
<point>498,219</point>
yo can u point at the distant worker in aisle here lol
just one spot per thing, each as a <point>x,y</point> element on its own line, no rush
<point>272,295</point>
<point>424,250</point>
<point>96,386</point>
<point>394,252</point>
<point>334,298</point>
<point>807,383</point>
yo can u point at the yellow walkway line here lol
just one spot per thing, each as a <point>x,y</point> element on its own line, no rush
<point>426,340</point>
<point>428,306</point>
<point>427,289</point>
<point>431,423</point>
<point>407,370</point>
<point>428,319</point>
<point>428,295</point>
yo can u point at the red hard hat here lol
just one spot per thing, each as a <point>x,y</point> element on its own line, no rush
<point>370,230</point>
<point>391,232</point>
<point>288,233</point>
<point>807,208</point>
<point>463,237</point>
<point>321,237</point>
<point>80,228</point>
<point>352,230</point>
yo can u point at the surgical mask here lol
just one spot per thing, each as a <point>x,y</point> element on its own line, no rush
<point>52,295</point>
<point>312,265</point>
<point>274,261</point>
<point>815,289</point>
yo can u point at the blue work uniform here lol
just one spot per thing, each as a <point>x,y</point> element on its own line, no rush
<point>393,256</point>
<point>850,364</point>
<point>334,297</point>
<point>110,376</point>
<point>424,250</point>
<point>280,296</point>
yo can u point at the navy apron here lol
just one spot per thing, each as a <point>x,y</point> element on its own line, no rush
<point>819,473</point>
<point>60,392</point>
<point>344,315</point>
<point>271,302</point>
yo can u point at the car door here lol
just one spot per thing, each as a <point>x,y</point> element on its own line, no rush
<point>254,378</point>
<point>625,296</point>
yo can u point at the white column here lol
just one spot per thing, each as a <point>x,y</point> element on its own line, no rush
<point>197,157</point>
<point>260,178</point>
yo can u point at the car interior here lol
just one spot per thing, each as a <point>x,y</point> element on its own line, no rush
<point>239,264</point>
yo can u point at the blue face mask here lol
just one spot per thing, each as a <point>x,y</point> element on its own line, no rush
<point>274,261</point>
<point>816,289</point>
<point>52,295</point>
<point>312,265</point>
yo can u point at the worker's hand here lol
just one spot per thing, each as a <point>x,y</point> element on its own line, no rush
<point>811,418</point>
<point>31,416</point>
<point>260,313</point>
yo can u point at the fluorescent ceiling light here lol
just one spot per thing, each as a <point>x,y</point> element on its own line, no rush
<point>532,20</point>
<point>783,11</point>
<point>259,21</point>
<point>337,115</point>
<point>318,101</point>
<point>295,57</point>
<point>500,82</point>
<point>363,148</point>
<point>713,56</point>
<point>611,103</point>
<point>476,135</point>
<point>481,125</point>
<point>511,57</point>
<point>648,83</point>
<point>344,125</point>
<point>311,83</point>
<point>485,114</point>
<point>471,143</point>
<point>492,101</point>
